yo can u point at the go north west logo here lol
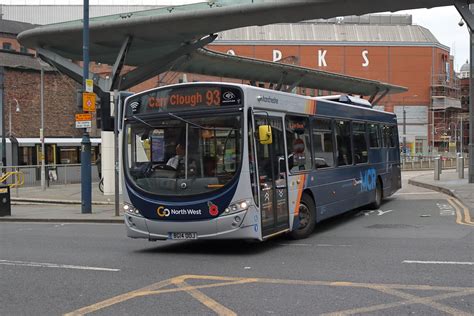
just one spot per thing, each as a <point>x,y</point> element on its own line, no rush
<point>162,211</point>
<point>166,212</point>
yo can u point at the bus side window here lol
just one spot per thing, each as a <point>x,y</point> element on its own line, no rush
<point>374,136</point>
<point>298,143</point>
<point>394,134</point>
<point>343,141</point>
<point>322,143</point>
<point>360,143</point>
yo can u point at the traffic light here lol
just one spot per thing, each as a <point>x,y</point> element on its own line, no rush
<point>103,116</point>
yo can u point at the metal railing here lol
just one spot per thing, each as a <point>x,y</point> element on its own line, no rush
<point>13,178</point>
<point>55,174</point>
<point>427,162</point>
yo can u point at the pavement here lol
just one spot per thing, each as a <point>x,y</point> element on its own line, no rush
<point>62,203</point>
<point>449,184</point>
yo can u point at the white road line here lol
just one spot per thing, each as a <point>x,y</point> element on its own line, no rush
<point>439,262</point>
<point>329,245</point>
<point>53,265</point>
<point>297,245</point>
<point>416,193</point>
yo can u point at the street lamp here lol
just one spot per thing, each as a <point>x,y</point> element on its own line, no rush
<point>10,115</point>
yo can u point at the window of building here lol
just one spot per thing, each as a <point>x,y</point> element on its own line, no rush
<point>7,46</point>
<point>298,143</point>
<point>69,155</point>
<point>343,143</point>
<point>375,140</point>
<point>23,49</point>
<point>323,149</point>
<point>360,143</point>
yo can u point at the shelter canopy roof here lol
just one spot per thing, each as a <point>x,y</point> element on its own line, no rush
<point>164,33</point>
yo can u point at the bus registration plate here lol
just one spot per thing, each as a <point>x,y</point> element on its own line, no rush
<point>183,236</point>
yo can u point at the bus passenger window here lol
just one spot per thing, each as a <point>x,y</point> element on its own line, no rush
<point>360,143</point>
<point>387,139</point>
<point>298,143</point>
<point>374,136</point>
<point>323,144</point>
<point>343,140</point>
<point>394,134</point>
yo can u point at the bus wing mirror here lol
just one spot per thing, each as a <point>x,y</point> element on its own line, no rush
<point>265,134</point>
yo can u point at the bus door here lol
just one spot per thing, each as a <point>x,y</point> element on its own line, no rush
<point>272,174</point>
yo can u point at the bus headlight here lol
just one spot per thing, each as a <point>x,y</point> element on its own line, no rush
<point>238,206</point>
<point>129,209</point>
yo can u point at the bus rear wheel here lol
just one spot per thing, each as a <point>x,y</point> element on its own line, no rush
<point>378,195</point>
<point>307,218</point>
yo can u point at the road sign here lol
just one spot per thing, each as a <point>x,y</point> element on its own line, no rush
<point>88,102</point>
<point>83,120</point>
<point>83,117</point>
<point>83,124</point>
<point>89,85</point>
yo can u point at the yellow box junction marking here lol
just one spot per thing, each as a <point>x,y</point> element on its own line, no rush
<point>219,309</point>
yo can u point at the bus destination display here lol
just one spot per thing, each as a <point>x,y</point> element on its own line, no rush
<point>184,98</point>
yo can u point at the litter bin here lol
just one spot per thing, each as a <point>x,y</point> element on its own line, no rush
<point>5,204</point>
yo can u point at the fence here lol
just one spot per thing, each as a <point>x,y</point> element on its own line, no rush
<point>55,174</point>
<point>427,162</point>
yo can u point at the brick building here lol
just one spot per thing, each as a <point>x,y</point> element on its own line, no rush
<point>21,82</point>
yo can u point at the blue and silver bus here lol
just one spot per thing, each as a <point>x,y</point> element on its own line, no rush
<point>231,161</point>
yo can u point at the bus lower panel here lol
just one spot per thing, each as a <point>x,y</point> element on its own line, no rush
<point>223,227</point>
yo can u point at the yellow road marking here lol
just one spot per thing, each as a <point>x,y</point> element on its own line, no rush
<point>118,299</point>
<point>183,286</point>
<point>414,300</point>
<point>207,301</point>
<point>466,220</point>
<point>154,289</point>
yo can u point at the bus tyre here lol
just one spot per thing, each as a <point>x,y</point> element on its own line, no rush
<point>307,218</point>
<point>378,195</point>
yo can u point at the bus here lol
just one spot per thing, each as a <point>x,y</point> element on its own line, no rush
<point>232,161</point>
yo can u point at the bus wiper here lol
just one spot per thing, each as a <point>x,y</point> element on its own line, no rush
<point>142,121</point>
<point>185,121</point>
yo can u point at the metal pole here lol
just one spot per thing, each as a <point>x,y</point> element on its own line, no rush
<point>462,139</point>
<point>115,99</point>
<point>2,109</point>
<point>404,134</point>
<point>471,111</point>
<point>10,119</point>
<point>43,171</point>
<point>86,176</point>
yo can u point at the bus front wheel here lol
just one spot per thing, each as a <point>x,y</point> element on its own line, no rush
<point>307,218</point>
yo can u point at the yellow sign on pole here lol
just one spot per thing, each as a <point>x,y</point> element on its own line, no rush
<point>88,102</point>
<point>89,85</point>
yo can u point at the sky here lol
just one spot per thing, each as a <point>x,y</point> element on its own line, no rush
<point>442,22</point>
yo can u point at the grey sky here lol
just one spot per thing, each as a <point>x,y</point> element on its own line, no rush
<point>442,22</point>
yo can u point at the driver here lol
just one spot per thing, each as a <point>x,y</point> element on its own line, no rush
<point>174,161</point>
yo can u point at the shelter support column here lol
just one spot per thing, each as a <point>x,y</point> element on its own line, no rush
<point>466,13</point>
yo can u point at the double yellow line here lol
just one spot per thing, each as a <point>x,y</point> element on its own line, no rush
<point>463,217</point>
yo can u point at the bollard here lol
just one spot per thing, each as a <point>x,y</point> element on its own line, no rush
<point>460,167</point>
<point>437,168</point>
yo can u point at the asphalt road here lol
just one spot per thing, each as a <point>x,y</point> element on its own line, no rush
<point>413,256</point>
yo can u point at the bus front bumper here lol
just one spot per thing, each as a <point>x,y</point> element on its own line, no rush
<point>242,225</point>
